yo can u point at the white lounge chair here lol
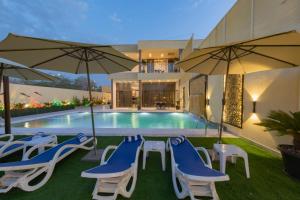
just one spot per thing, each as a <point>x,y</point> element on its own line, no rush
<point>21,173</point>
<point>10,146</point>
<point>196,178</point>
<point>114,174</point>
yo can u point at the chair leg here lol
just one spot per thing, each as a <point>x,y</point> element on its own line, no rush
<point>222,163</point>
<point>144,158</point>
<point>163,160</point>
<point>246,165</point>
<point>214,193</point>
<point>97,190</point>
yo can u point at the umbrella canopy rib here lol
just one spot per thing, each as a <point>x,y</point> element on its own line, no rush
<point>260,54</point>
<point>79,62</point>
<point>210,57</point>
<point>21,74</point>
<point>96,57</point>
<point>238,59</point>
<point>113,61</point>
<point>189,59</point>
<point>218,62</point>
<point>72,54</point>
<point>104,52</point>
<point>244,53</point>
<point>54,58</point>
<point>100,65</point>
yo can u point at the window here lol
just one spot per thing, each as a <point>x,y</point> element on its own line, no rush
<point>126,94</point>
<point>154,93</point>
<point>158,65</point>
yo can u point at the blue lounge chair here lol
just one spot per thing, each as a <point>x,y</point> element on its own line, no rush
<point>196,178</point>
<point>8,147</point>
<point>114,174</point>
<point>21,173</point>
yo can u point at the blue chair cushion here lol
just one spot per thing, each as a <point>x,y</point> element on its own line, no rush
<point>190,162</point>
<point>120,160</point>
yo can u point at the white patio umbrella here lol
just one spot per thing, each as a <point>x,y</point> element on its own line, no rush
<point>72,57</point>
<point>266,53</point>
<point>12,69</point>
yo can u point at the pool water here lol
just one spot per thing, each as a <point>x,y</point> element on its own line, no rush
<point>118,120</point>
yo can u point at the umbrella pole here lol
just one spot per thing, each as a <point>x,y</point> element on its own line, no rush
<point>224,96</point>
<point>7,114</point>
<point>1,75</point>
<point>91,100</point>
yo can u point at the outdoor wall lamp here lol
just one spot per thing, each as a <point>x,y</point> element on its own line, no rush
<point>254,107</point>
<point>207,102</point>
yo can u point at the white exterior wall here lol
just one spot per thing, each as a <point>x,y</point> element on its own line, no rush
<point>273,90</point>
<point>277,89</point>
<point>47,94</point>
<point>255,18</point>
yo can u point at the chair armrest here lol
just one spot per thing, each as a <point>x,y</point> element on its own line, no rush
<point>208,160</point>
<point>78,146</point>
<point>10,139</point>
<point>26,156</point>
<point>107,149</point>
<point>54,140</point>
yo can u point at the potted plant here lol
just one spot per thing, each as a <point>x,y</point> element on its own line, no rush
<point>286,124</point>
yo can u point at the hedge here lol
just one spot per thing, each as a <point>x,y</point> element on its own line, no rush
<point>34,111</point>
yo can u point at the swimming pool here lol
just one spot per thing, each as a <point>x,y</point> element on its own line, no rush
<point>146,120</point>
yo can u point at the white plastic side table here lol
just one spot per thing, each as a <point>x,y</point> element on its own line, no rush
<point>155,146</point>
<point>228,150</point>
<point>51,139</point>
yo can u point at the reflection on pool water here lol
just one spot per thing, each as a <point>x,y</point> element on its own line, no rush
<point>117,120</point>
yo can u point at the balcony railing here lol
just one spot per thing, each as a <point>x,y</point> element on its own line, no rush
<point>159,66</point>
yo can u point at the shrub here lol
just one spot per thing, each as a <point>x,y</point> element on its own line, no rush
<point>75,101</point>
<point>57,102</point>
<point>18,105</point>
<point>47,104</point>
<point>98,101</point>
<point>33,111</point>
<point>85,101</point>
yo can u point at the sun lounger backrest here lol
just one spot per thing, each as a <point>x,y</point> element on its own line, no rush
<point>185,154</point>
<point>125,152</point>
<point>49,154</point>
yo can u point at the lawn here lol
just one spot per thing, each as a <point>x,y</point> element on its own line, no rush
<point>268,180</point>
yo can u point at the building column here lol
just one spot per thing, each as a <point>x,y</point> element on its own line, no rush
<point>140,82</point>
<point>112,91</point>
<point>179,56</point>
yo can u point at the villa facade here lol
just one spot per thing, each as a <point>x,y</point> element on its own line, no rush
<point>156,82</point>
<point>270,90</point>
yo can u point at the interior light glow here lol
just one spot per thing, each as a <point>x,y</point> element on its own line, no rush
<point>254,97</point>
<point>145,113</point>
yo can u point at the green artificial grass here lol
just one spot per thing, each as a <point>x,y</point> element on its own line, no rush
<point>268,180</point>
